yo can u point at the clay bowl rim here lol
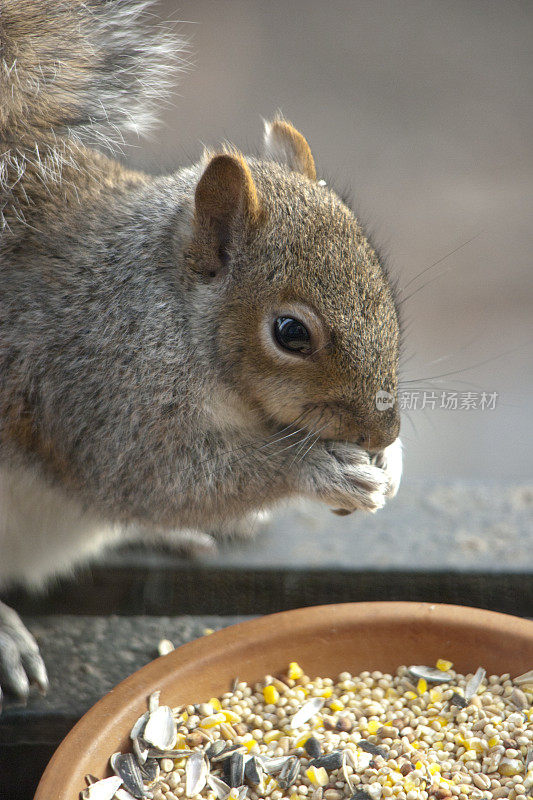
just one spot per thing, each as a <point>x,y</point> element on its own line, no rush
<point>113,712</point>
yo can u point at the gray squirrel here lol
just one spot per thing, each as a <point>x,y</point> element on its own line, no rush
<point>177,353</point>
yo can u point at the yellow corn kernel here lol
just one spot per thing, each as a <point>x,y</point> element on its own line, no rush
<point>410,695</point>
<point>444,665</point>
<point>415,745</point>
<point>438,746</point>
<point>271,695</point>
<point>272,736</point>
<point>433,768</point>
<point>295,671</point>
<point>419,765</point>
<point>181,742</point>
<point>493,741</point>
<point>317,775</point>
<point>184,716</point>
<point>336,705</point>
<point>435,695</point>
<point>215,704</point>
<point>230,716</point>
<point>443,721</point>
<point>326,693</point>
<point>422,686</point>
<point>295,796</point>
<point>318,724</point>
<point>373,726</point>
<point>391,694</point>
<point>249,744</point>
<point>212,720</point>
<point>301,740</point>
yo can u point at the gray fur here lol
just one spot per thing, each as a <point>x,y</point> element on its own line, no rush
<point>136,391</point>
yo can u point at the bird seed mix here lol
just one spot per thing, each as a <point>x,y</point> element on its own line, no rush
<point>425,733</point>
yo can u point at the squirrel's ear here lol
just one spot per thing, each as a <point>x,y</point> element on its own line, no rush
<point>286,145</point>
<point>225,199</point>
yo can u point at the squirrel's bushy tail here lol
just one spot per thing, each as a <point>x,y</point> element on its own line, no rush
<point>74,72</point>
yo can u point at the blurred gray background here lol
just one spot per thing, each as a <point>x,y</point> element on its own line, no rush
<point>423,111</point>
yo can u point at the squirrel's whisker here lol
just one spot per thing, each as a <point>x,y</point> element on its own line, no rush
<point>435,264</point>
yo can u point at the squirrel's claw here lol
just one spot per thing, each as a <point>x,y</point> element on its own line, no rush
<point>21,663</point>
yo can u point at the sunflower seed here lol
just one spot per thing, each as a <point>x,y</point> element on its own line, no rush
<point>312,746</point>
<point>241,794</point>
<point>102,790</point>
<point>196,771</point>
<point>289,772</point>
<point>139,726</point>
<point>123,794</point>
<point>234,770</point>
<point>215,748</point>
<point>430,674</point>
<point>218,786</point>
<point>330,761</point>
<point>153,701</point>
<point>126,767</point>
<point>273,766</point>
<point>228,751</point>
<point>526,677</point>
<point>361,794</point>
<point>519,699</point>
<point>161,729</point>
<point>253,773</point>
<point>473,684</point>
<point>307,711</point>
<point>458,700</point>
<point>155,752</point>
<point>368,747</point>
<point>150,769</point>
<point>345,772</point>
<point>141,750</point>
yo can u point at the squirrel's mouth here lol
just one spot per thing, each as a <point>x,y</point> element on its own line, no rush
<point>338,422</point>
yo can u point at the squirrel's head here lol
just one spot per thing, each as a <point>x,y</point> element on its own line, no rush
<point>306,323</point>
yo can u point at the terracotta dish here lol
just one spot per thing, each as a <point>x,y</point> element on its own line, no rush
<point>325,640</point>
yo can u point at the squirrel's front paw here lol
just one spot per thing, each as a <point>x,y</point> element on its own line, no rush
<point>390,461</point>
<point>343,476</point>
<point>20,660</point>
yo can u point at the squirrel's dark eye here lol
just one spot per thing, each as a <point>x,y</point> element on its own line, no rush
<point>291,334</point>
